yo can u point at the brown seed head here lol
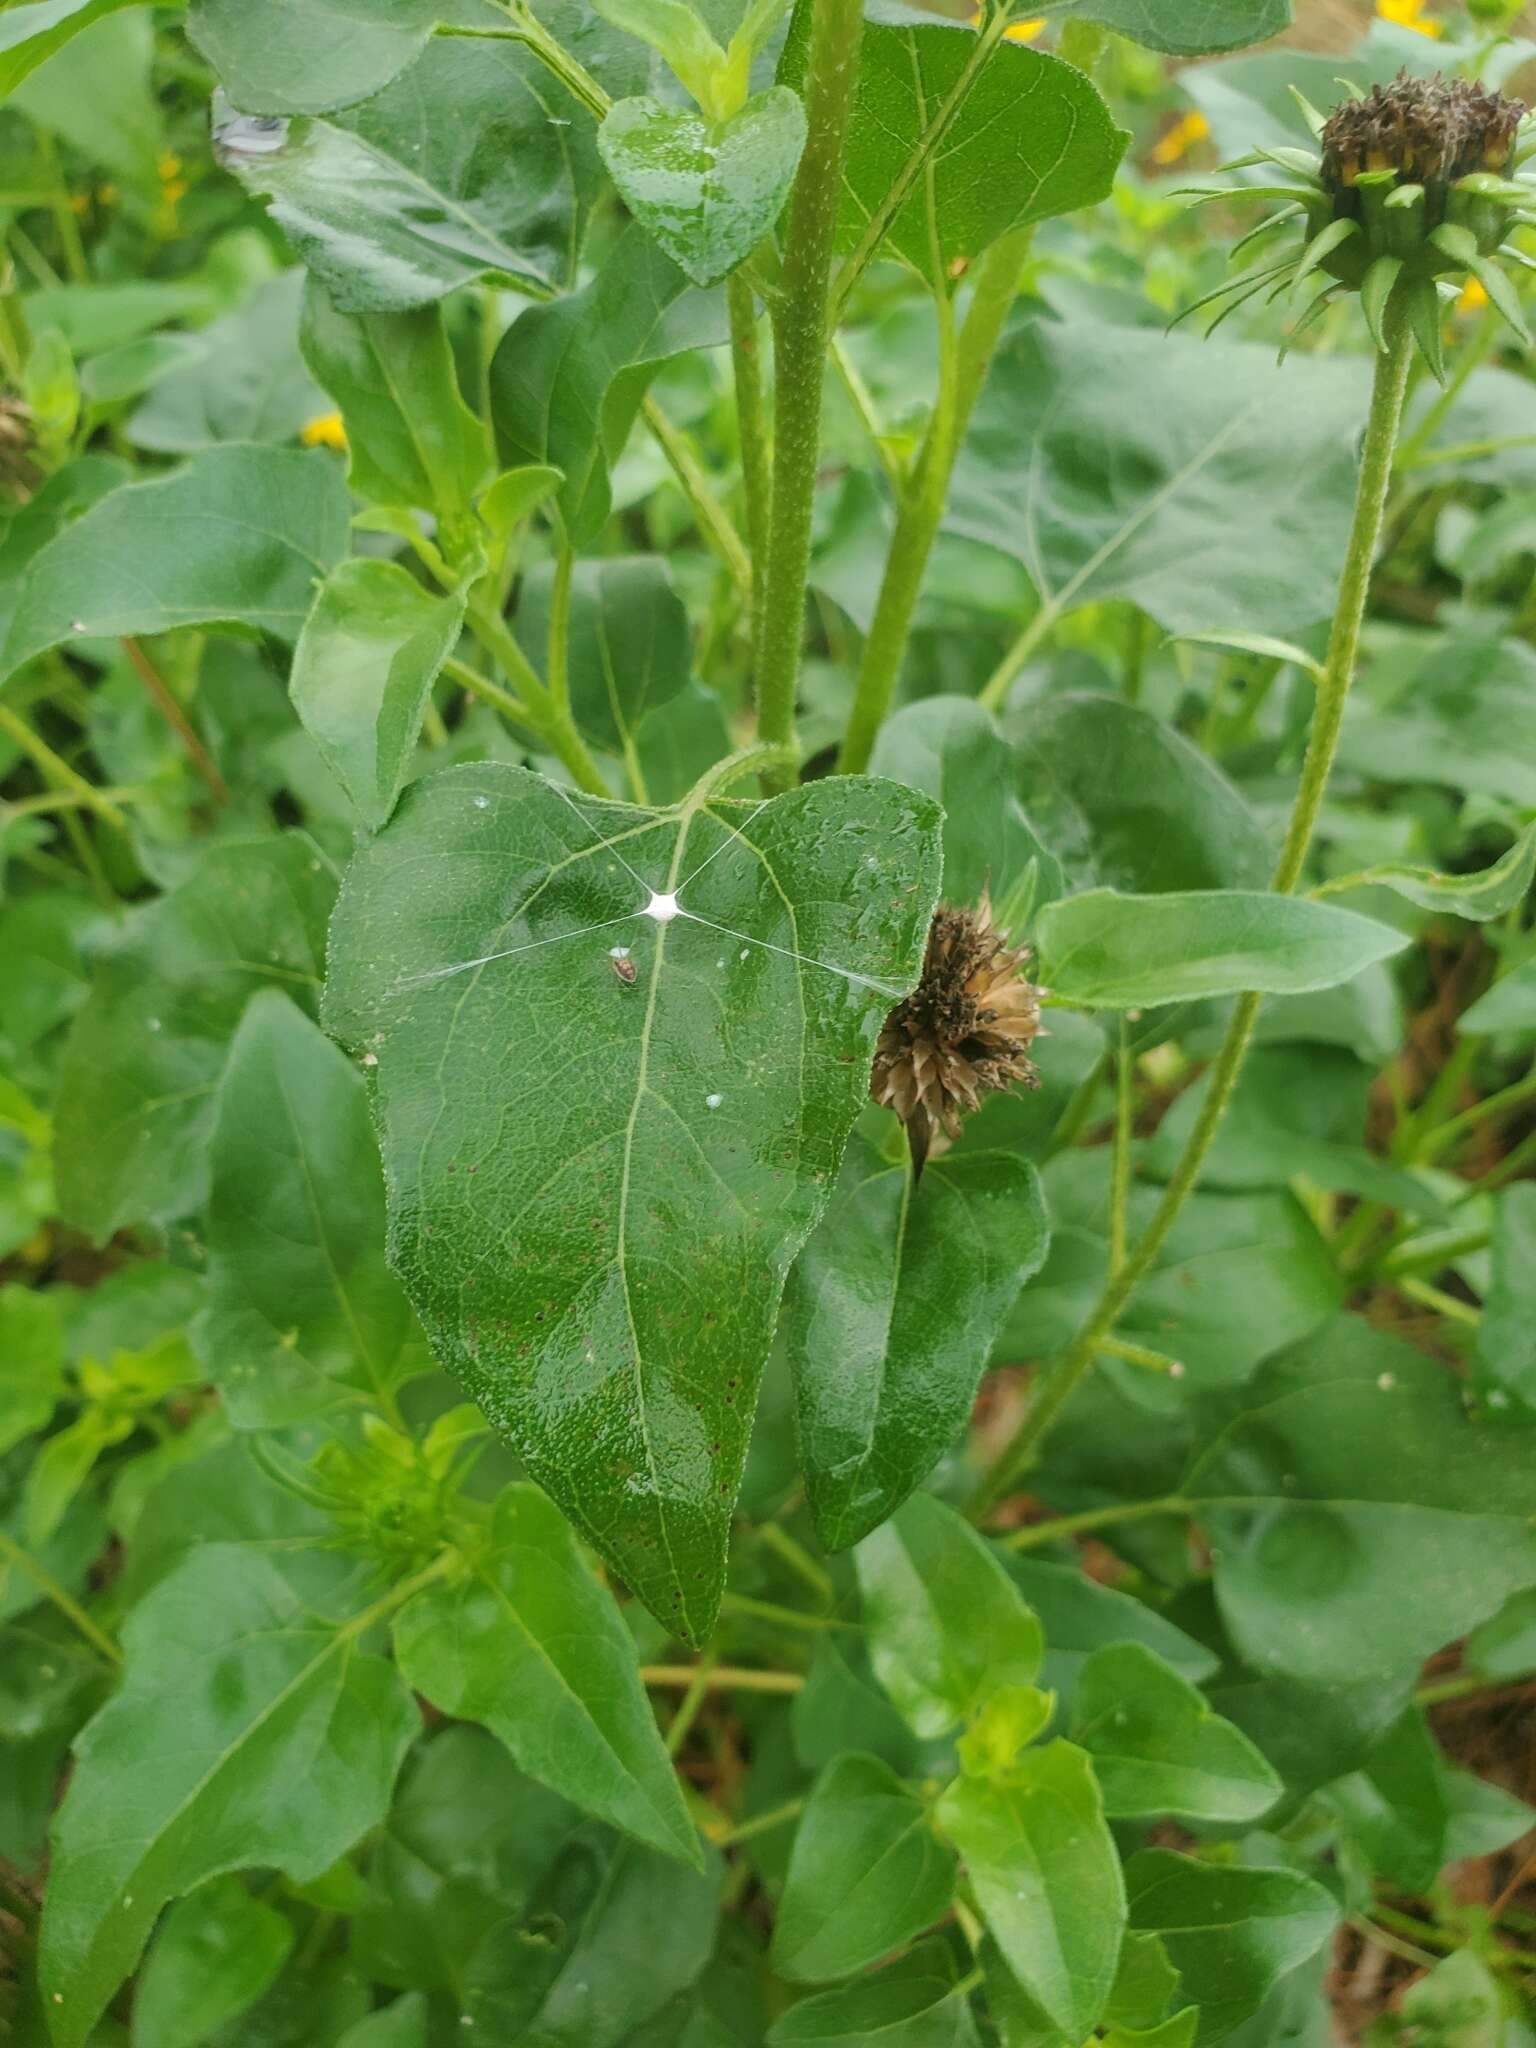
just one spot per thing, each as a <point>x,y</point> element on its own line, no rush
<point>964,1031</point>
<point>1427,130</point>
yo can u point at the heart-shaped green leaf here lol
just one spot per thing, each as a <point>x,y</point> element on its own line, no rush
<point>618,1054</point>
<point>706,191</point>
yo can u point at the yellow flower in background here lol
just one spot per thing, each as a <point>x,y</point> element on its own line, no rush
<point>326,431</point>
<point>173,185</point>
<point>1180,139</point>
<point>1016,31</point>
<point>1472,298</point>
<point>1410,14</point>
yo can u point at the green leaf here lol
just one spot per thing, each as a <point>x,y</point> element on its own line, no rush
<point>913,2002</point>
<point>530,1644</point>
<point>951,747</point>
<point>244,380</point>
<point>1302,1525</point>
<point>246,1732</point>
<point>363,673</point>
<point>1459,2005</point>
<point>1510,1005</point>
<point>1192,477</point>
<point>144,1056</point>
<point>567,380</point>
<point>1046,1874</point>
<point>946,1624</point>
<point>867,1874</point>
<point>213,1957</point>
<point>1189,27</point>
<point>31,1362</point>
<point>1479,897</point>
<point>1125,802</point>
<point>303,1315</point>
<point>1506,1337</point>
<point>629,646</point>
<point>1231,1933</point>
<point>1157,1746</point>
<point>675,31</point>
<point>237,537</point>
<point>890,1314</point>
<point>56,503</point>
<point>454,172</point>
<point>645,1157</point>
<point>96,95</point>
<point>1108,951</point>
<point>32,32</point>
<point>1080,1616</point>
<point>411,439</point>
<point>401,2025</point>
<point>1395,1808</point>
<point>705,191</point>
<point>622,1930</point>
<point>1029,139</point>
<point>1452,714</point>
<point>312,56</point>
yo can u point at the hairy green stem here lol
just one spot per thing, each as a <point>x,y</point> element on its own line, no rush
<point>724,1678</point>
<point>801,330</point>
<point>963,364</point>
<point>557,661</point>
<point>1382,427</point>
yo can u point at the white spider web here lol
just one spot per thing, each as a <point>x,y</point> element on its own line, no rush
<point>660,907</point>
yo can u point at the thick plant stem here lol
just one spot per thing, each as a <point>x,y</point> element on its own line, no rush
<point>963,366</point>
<point>1327,719</point>
<point>801,332</point>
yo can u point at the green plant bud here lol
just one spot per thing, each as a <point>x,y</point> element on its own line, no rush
<point>1415,188</point>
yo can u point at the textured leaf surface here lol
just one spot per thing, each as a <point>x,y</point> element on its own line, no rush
<point>1158,1748</point>
<point>455,171</point>
<point>867,1873</point>
<point>530,1644</point>
<point>1231,1933</point>
<point>239,536</point>
<point>303,1315</point>
<point>1306,1529</point>
<point>1118,952</point>
<point>911,2003</point>
<point>144,1056</point>
<point>630,650</point>
<point>311,56</point>
<point>245,1732</point>
<point>1125,802</point>
<point>951,747</point>
<point>1190,27</point>
<point>946,1623</point>
<point>568,378</point>
<point>1047,1878</point>
<point>363,671</point>
<point>706,191</point>
<point>890,1314</point>
<point>597,1185</point>
<point>1031,138</point>
<point>1192,477</point>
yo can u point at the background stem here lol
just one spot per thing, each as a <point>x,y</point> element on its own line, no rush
<point>1390,385</point>
<point>801,331</point>
<point>751,427</point>
<point>963,370</point>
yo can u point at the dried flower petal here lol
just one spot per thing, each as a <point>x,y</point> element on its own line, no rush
<point>963,1033</point>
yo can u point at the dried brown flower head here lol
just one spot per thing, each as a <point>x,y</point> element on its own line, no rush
<point>964,1031</point>
<point>1426,129</point>
<point>19,474</point>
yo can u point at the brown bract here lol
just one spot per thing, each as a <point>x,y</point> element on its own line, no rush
<point>964,1032</point>
<point>1430,130</point>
